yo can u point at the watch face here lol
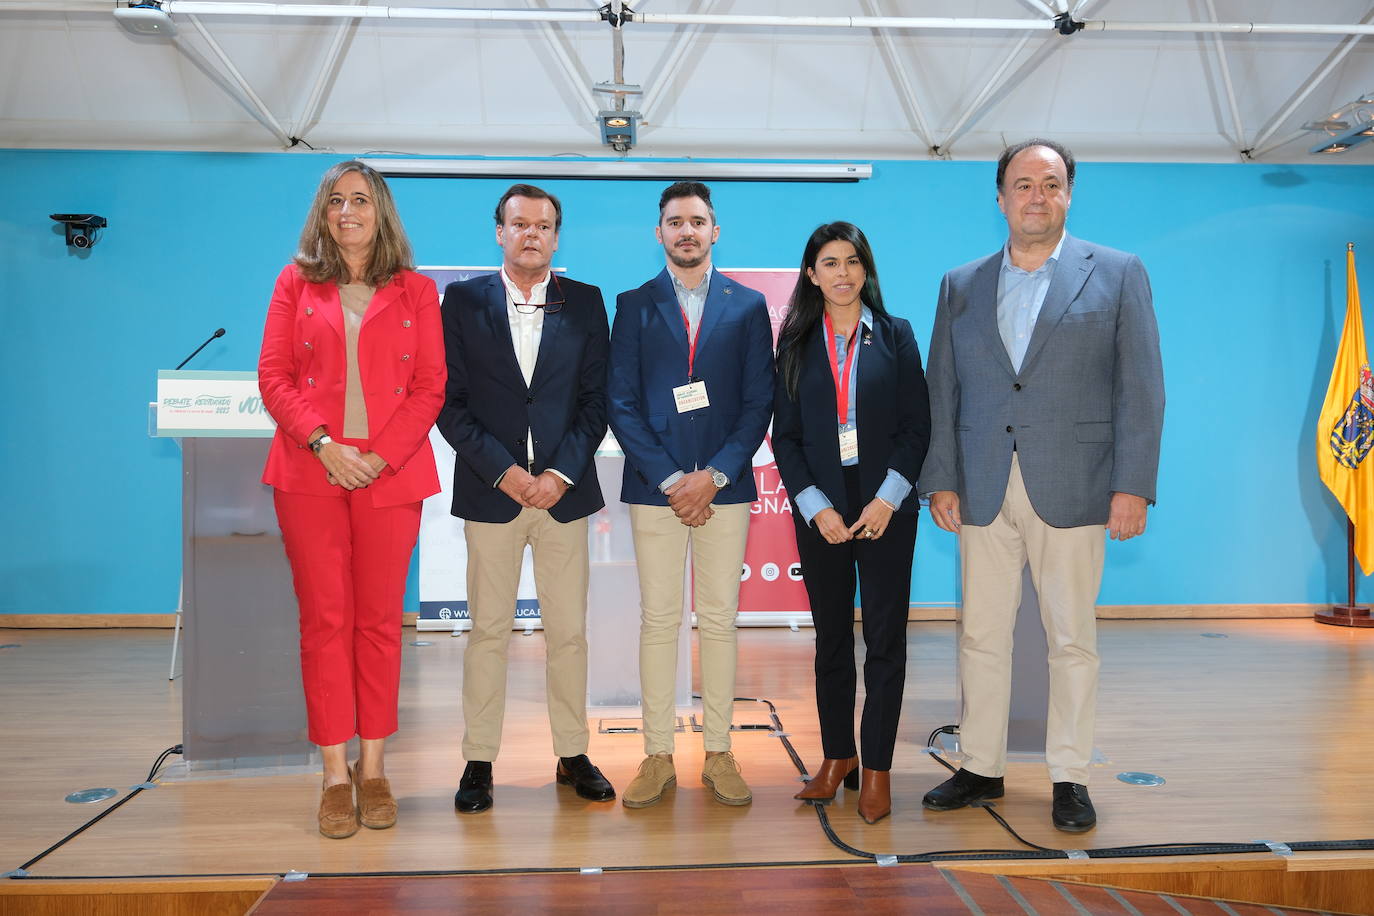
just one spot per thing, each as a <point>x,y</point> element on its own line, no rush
<point>719,478</point>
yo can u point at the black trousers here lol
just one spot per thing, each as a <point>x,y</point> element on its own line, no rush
<point>884,578</point>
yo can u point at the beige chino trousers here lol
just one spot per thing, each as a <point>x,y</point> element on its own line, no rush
<point>495,553</point>
<point>717,560</point>
<point>1066,568</point>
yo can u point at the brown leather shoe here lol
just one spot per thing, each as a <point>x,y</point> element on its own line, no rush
<point>656,776</point>
<point>338,814</point>
<point>721,774</point>
<point>826,782</point>
<point>875,796</point>
<point>376,806</point>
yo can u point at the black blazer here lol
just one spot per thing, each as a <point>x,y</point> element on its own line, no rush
<point>893,416</point>
<point>489,410</point>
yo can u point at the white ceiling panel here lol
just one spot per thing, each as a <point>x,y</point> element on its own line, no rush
<point>75,78</point>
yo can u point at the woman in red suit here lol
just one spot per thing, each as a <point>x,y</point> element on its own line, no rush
<point>352,369</point>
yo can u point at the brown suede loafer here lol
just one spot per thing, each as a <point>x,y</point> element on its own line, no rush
<point>338,814</point>
<point>376,806</point>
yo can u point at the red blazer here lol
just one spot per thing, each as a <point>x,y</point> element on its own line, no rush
<point>401,360</point>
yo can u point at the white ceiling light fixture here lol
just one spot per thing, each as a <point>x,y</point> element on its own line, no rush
<point>1347,126</point>
<point>146,18</point>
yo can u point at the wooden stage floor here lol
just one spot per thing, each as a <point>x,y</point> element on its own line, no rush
<point>1265,733</point>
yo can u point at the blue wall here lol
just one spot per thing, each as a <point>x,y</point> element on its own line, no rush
<point>1246,260</point>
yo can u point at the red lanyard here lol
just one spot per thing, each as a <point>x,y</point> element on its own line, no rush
<point>841,382</point>
<point>691,341</point>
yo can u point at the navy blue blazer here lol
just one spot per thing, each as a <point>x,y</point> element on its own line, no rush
<point>892,414</point>
<point>490,411</point>
<point>734,356</point>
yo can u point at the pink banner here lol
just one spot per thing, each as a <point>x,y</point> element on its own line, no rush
<point>771,579</point>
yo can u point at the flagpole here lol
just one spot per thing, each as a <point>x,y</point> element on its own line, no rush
<point>1348,614</point>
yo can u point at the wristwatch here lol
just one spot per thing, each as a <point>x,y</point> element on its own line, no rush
<point>718,478</point>
<point>320,443</point>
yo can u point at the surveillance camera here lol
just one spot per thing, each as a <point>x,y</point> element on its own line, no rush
<point>80,227</point>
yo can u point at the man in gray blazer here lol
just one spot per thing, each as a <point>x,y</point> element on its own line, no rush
<point>1046,402</point>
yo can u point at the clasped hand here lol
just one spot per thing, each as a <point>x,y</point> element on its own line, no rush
<point>690,498</point>
<point>872,523</point>
<point>533,491</point>
<point>349,468</point>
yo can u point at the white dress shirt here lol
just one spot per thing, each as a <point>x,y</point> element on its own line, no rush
<point>526,331</point>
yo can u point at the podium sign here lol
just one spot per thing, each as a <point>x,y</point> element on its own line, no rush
<point>242,704</point>
<point>215,404</point>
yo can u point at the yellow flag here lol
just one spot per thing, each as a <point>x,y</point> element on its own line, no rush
<point>1345,429</point>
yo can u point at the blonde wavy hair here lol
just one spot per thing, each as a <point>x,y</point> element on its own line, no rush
<point>318,256</point>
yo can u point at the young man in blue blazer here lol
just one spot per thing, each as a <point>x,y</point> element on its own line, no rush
<point>691,394</point>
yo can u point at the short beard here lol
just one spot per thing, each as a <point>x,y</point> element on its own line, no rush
<point>687,263</point>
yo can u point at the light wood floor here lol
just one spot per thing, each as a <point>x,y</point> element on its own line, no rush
<point>1262,735</point>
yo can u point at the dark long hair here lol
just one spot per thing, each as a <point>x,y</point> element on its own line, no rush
<point>806,307</point>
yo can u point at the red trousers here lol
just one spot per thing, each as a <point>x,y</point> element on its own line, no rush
<point>349,563</point>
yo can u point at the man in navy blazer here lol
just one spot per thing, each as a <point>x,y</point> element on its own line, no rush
<point>1047,404</point>
<point>526,411</point>
<point>691,393</point>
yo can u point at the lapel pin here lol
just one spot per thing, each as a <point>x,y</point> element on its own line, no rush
<point>729,290</point>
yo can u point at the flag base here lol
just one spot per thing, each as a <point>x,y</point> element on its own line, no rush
<point>1343,615</point>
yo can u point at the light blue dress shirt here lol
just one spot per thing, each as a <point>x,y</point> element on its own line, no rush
<point>693,303</point>
<point>1020,294</point>
<point>896,487</point>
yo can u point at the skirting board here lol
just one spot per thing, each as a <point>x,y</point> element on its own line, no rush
<point>922,612</point>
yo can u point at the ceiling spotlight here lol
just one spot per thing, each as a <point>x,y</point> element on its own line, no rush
<point>145,18</point>
<point>1340,142</point>
<point>618,129</point>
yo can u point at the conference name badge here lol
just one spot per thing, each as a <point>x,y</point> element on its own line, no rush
<point>691,396</point>
<point>849,444</point>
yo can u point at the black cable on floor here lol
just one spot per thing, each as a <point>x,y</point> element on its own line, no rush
<point>1036,851</point>
<point>859,856</point>
<point>175,749</point>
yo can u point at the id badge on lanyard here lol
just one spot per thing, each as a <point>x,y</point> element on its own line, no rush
<point>849,438</point>
<point>691,396</point>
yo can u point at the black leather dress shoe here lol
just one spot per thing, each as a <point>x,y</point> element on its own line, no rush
<point>474,789</point>
<point>579,773</point>
<point>962,789</point>
<point>1073,810</point>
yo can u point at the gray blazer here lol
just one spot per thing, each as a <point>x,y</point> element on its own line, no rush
<point>1086,410</point>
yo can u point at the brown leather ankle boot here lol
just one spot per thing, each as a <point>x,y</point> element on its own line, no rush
<point>875,796</point>
<point>826,782</point>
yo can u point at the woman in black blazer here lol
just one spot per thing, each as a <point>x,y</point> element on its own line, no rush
<point>850,429</point>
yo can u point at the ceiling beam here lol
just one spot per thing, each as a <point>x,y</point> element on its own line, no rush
<point>578,80</point>
<point>342,10</point>
<point>906,93</point>
<point>685,51</point>
<point>1238,137</point>
<point>319,93</point>
<point>993,83</point>
<point>239,89</point>
<point>1036,5</point>
<point>1312,82</point>
<point>997,84</point>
